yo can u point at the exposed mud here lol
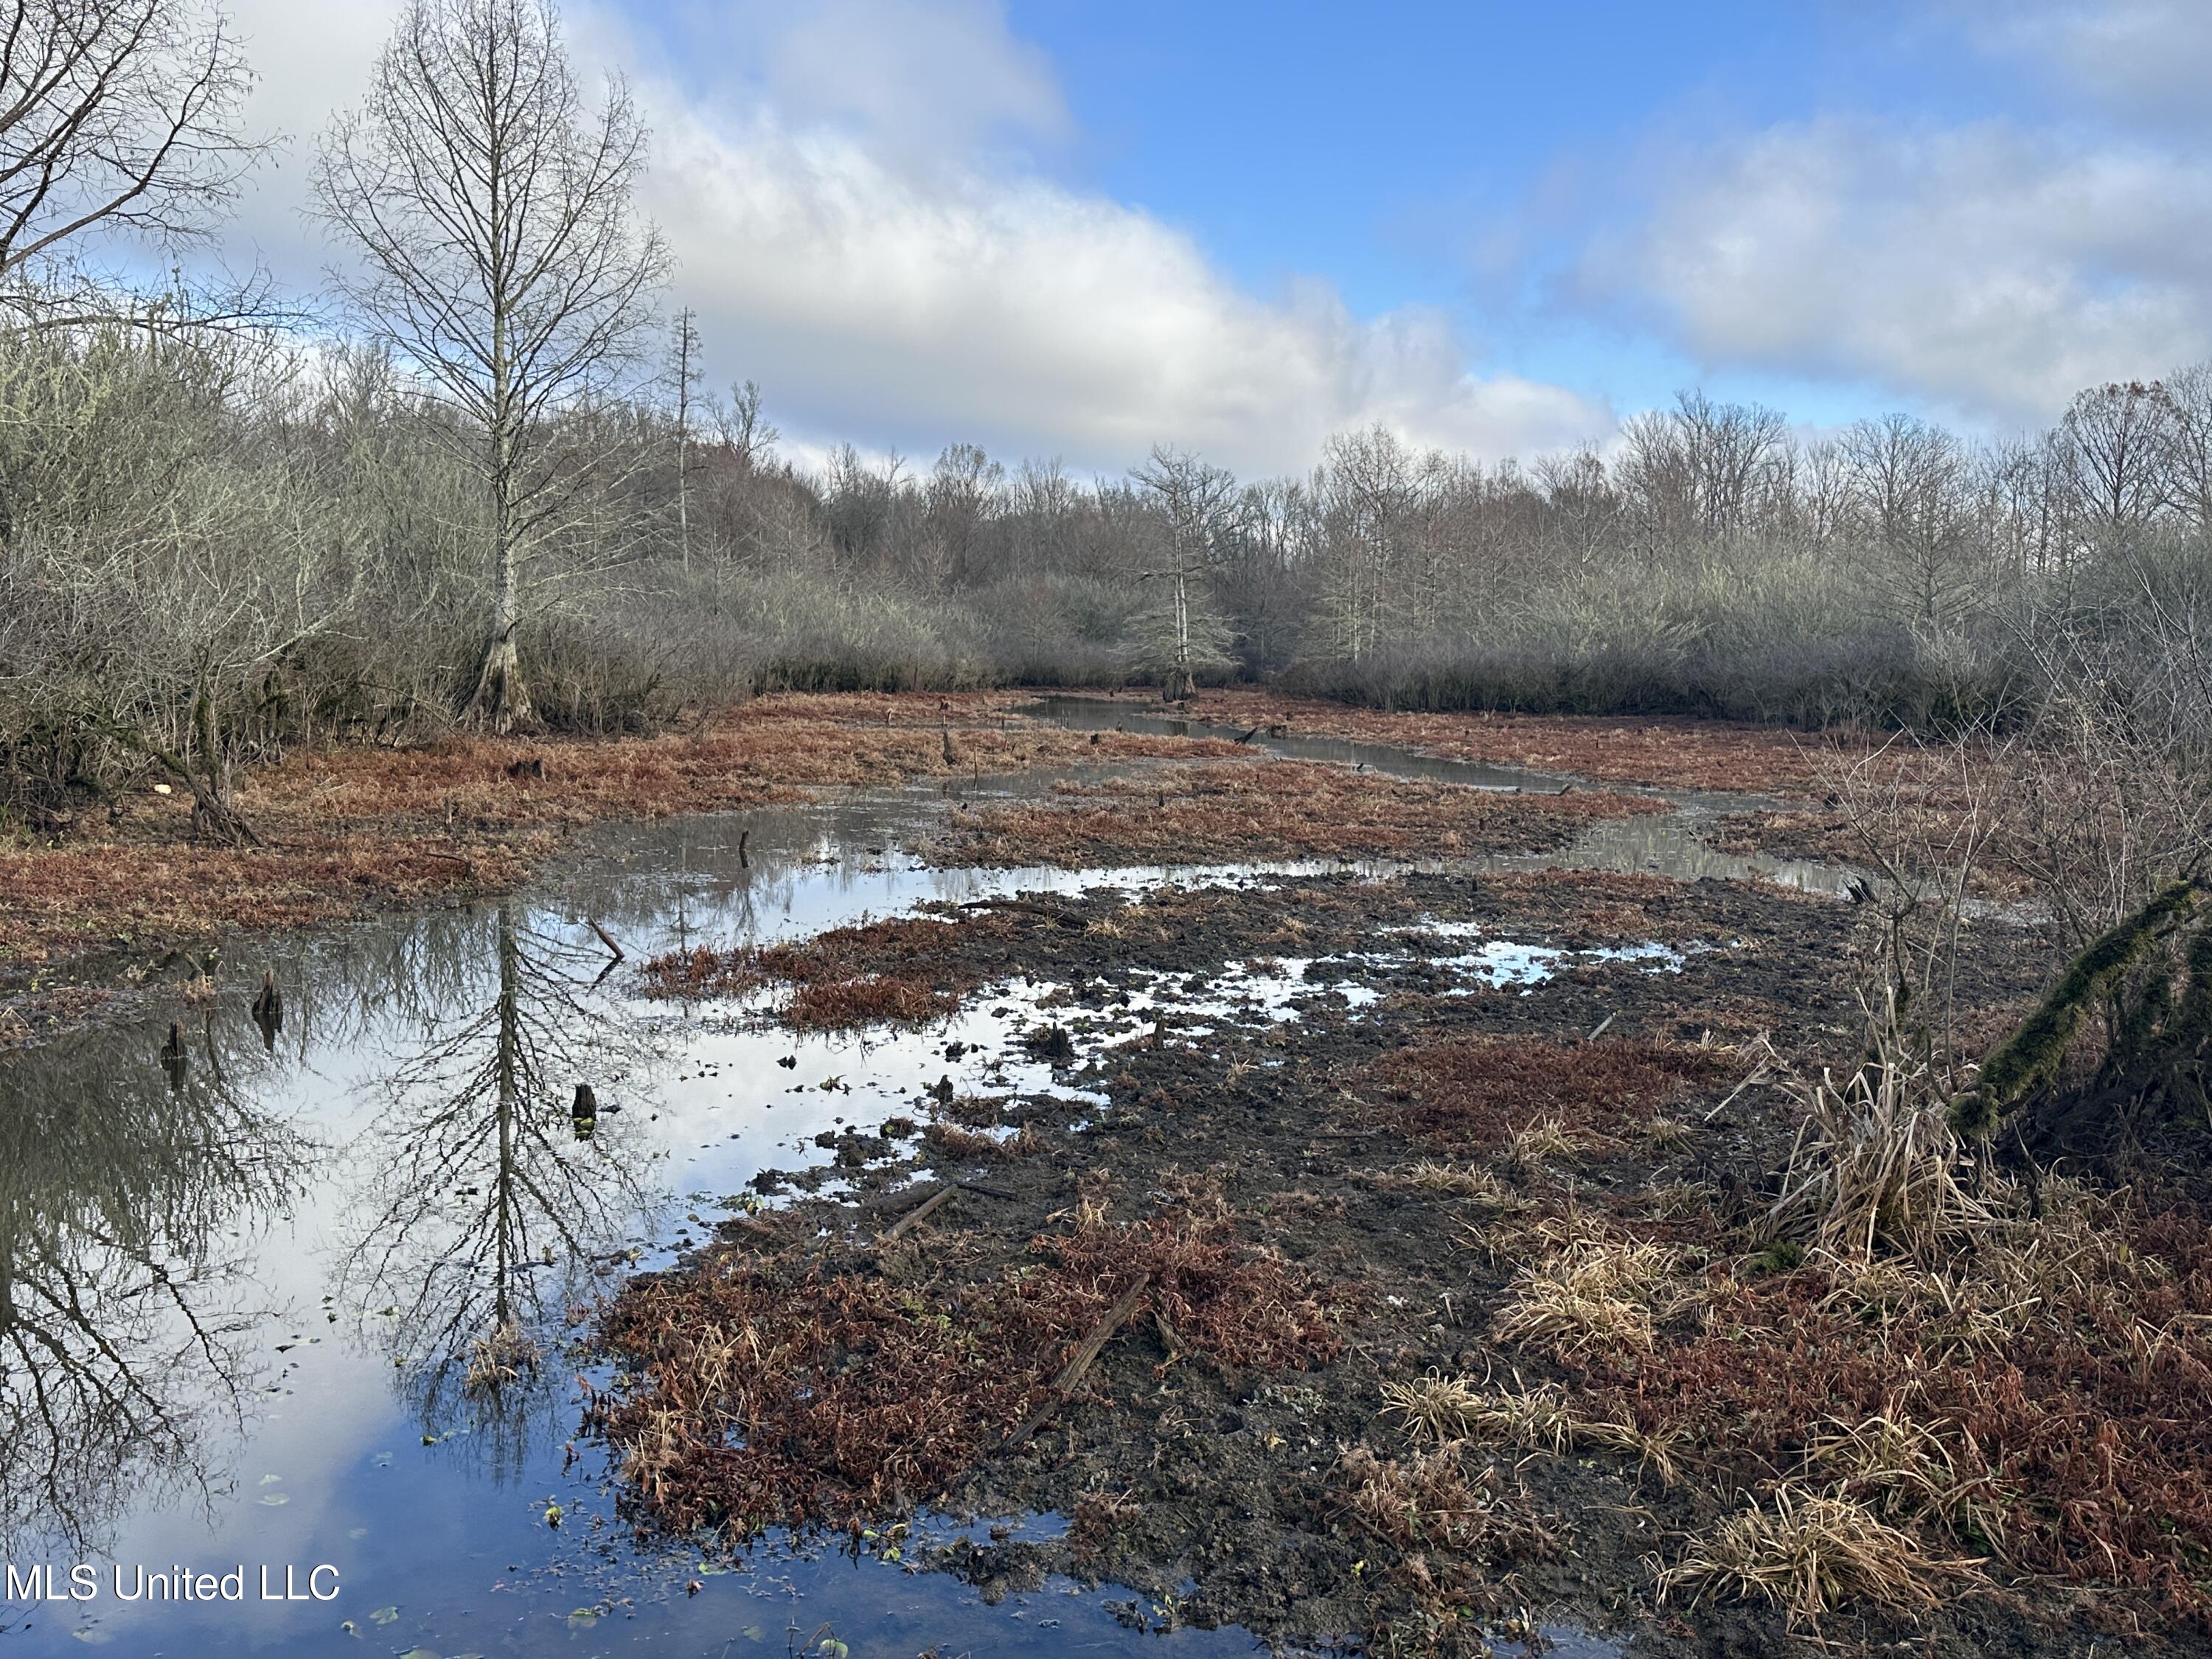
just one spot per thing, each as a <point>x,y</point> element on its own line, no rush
<point>1393,1099</point>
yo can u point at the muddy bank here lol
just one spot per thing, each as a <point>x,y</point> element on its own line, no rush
<point>1435,1213</point>
<point>1666,752</point>
<point>122,895</point>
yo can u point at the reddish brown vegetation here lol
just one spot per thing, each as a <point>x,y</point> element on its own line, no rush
<point>1665,751</point>
<point>1473,1092</point>
<point>860,976</point>
<point>1285,809</point>
<point>354,829</point>
<point>775,1389</point>
<point>2075,1442</point>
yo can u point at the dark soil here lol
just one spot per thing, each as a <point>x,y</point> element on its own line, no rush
<point>1235,1480</point>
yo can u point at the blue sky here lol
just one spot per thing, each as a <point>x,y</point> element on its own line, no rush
<point>1073,226</point>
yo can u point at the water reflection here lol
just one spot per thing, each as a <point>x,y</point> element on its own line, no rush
<point>121,1309</point>
<point>483,1191</point>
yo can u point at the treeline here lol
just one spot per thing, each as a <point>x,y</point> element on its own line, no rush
<point>282,541</point>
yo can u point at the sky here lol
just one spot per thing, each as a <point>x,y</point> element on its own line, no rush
<point>1074,228</point>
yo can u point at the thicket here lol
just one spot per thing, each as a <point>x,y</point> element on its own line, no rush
<point>234,540</point>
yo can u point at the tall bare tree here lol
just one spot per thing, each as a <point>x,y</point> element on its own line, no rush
<point>1196,500</point>
<point>501,258</point>
<point>115,115</point>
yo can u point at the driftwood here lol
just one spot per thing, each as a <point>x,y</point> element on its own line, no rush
<point>1086,1353</point>
<point>928,1206</point>
<point>605,938</point>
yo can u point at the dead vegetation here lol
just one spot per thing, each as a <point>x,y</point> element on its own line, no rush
<point>891,972</point>
<point>354,828</point>
<point>1482,1091</point>
<point>772,1387</point>
<point>1804,1553</point>
<point>1666,753</point>
<point>1218,812</point>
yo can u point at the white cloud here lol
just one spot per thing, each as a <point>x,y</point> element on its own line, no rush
<point>861,230</point>
<point>1024,315</point>
<point>2143,59</point>
<point>1987,267</point>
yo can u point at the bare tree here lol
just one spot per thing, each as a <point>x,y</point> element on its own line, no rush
<point>1197,501</point>
<point>2119,440</point>
<point>501,258</point>
<point>115,115</point>
<point>684,374</point>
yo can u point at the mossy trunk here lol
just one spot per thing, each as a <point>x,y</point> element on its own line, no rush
<point>2030,1058</point>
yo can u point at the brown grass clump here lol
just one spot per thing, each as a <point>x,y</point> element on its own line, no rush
<point>1877,1169</point>
<point>501,1359</point>
<point>1281,808</point>
<point>1596,1293</point>
<point>2046,1399</point>
<point>1427,1501</point>
<point>956,1144</point>
<point>1807,1553</point>
<point>1903,1468</point>
<point>1537,1143</point>
<point>1445,1408</point>
<point>1468,1181</point>
<point>780,1389</point>
<point>876,1000</point>
<point>893,972</point>
<point>1478,1091</point>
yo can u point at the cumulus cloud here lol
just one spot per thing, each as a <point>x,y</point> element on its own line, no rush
<point>1989,267</point>
<point>1017,311</point>
<point>860,196</point>
<point>2142,59</point>
<point>857,232</point>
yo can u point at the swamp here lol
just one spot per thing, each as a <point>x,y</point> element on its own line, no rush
<point>1060,1174</point>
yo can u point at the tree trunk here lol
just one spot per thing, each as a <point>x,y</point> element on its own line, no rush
<point>501,702</point>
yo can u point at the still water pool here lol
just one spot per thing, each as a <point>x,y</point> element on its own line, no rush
<point>246,1264</point>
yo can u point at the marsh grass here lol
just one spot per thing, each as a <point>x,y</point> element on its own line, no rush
<point>1804,1553</point>
<point>1594,1294</point>
<point>1445,1408</point>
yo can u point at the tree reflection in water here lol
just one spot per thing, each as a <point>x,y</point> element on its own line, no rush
<point>122,1320</point>
<point>485,1203</point>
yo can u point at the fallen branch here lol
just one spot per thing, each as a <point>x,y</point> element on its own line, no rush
<point>922,1212</point>
<point>1086,1353</point>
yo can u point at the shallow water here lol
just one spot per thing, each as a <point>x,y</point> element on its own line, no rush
<point>1664,844</point>
<point>242,1277</point>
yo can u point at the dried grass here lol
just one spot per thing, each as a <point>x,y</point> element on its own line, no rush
<point>1445,1408</point>
<point>781,1389</point>
<point>1594,1293</point>
<point>1662,751</point>
<point>1806,1553</point>
<point>1476,1092</point>
<point>1877,1169</point>
<point>1427,1501</point>
<point>501,1359</point>
<point>1220,811</point>
<point>1533,1144</point>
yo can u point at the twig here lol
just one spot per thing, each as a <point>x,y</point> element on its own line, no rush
<point>1087,1352</point>
<point>927,1208</point>
<point>605,938</point>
